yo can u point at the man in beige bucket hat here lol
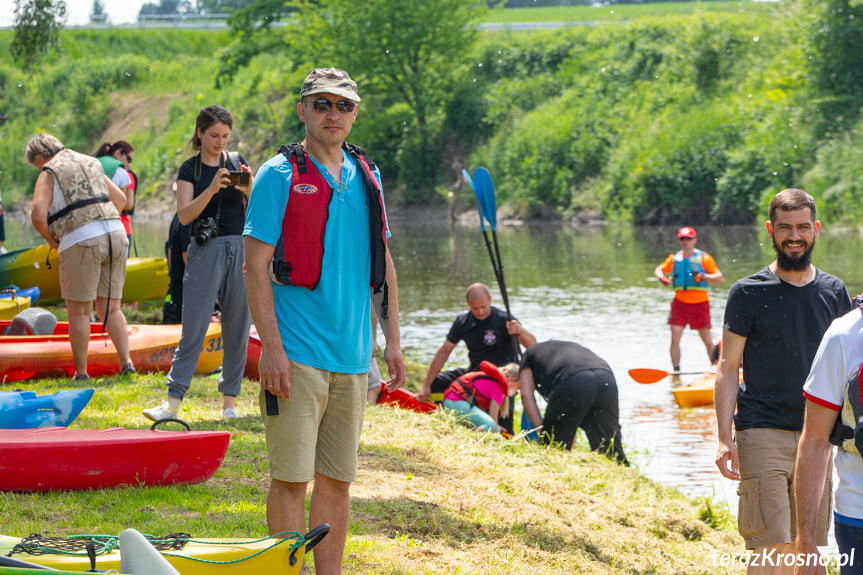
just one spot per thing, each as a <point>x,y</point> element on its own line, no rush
<point>316,261</point>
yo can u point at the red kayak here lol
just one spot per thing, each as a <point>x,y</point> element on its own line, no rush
<point>400,397</point>
<point>253,355</point>
<point>55,458</point>
<point>405,399</point>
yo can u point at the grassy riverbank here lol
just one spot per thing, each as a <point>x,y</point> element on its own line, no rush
<point>432,496</point>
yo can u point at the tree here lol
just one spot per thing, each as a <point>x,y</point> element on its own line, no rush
<point>407,47</point>
<point>166,7</point>
<point>406,53</point>
<point>403,53</point>
<point>834,33</point>
<point>252,35</point>
<point>221,6</point>
<point>37,30</point>
<point>98,14</point>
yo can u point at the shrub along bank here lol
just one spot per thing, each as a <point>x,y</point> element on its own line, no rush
<point>692,116</point>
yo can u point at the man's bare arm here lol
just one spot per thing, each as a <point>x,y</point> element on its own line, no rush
<point>274,367</point>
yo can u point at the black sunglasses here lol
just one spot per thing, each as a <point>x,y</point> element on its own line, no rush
<point>322,105</point>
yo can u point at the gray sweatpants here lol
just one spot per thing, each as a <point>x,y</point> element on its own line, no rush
<point>214,269</point>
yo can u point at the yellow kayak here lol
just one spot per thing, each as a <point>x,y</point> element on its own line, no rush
<point>206,556</point>
<point>699,392</point>
<point>146,278</point>
<point>9,307</point>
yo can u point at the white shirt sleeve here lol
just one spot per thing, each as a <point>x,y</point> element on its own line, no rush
<point>122,178</point>
<point>837,360</point>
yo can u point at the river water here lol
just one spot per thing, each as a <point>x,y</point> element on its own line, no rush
<point>594,286</point>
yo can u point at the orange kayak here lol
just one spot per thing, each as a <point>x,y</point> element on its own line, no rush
<point>152,347</point>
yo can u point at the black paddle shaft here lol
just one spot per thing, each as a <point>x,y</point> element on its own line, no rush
<point>501,282</point>
<point>494,263</point>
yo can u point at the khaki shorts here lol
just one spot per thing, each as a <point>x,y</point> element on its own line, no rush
<point>87,268</point>
<point>766,510</point>
<point>318,430</point>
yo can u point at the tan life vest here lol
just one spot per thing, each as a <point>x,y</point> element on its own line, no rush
<point>83,184</point>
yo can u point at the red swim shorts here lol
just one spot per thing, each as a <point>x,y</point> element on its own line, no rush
<point>697,315</point>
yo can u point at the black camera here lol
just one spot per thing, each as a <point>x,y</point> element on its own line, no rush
<point>204,230</point>
<point>238,178</point>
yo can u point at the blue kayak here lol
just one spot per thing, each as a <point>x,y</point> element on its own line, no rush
<point>32,292</point>
<point>26,410</point>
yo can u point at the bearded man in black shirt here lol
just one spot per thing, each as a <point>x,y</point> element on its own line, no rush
<point>774,321</point>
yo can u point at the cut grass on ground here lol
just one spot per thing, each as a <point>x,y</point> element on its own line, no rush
<point>432,496</point>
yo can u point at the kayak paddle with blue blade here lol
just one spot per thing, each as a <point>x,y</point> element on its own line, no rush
<point>479,192</point>
<point>484,188</point>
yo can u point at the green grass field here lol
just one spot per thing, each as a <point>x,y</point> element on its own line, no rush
<point>623,11</point>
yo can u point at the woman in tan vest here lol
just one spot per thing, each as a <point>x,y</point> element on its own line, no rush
<point>76,208</point>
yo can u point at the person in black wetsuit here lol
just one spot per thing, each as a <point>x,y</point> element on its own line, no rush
<point>581,391</point>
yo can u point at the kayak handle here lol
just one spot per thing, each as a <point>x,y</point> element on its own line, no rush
<point>312,538</point>
<point>171,420</point>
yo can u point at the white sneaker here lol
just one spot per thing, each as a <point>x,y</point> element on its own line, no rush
<point>230,413</point>
<point>162,411</point>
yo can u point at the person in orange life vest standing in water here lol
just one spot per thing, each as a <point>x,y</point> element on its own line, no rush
<point>690,271</point>
<point>316,261</point>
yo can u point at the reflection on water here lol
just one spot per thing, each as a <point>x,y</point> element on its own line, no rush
<point>593,286</point>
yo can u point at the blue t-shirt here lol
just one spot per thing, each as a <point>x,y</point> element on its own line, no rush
<point>328,327</point>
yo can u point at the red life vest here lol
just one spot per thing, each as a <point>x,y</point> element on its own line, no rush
<point>465,389</point>
<point>299,252</point>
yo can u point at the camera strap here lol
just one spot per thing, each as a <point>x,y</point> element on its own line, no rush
<point>233,162</point>
<point>232,157</point>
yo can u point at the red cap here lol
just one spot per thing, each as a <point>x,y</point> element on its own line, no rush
<point>686,232</point>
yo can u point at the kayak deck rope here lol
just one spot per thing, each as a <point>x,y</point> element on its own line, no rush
<point>298,538</point>
<point>76,545</point>
<point>37,544</point>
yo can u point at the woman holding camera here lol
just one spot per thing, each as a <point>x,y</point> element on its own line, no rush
<point>212,189</point>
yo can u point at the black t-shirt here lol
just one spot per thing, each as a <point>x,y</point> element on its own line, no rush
<point>553,361</point>
<point>232,216</point>
<point>783,325</point>
<point>486,340</point>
